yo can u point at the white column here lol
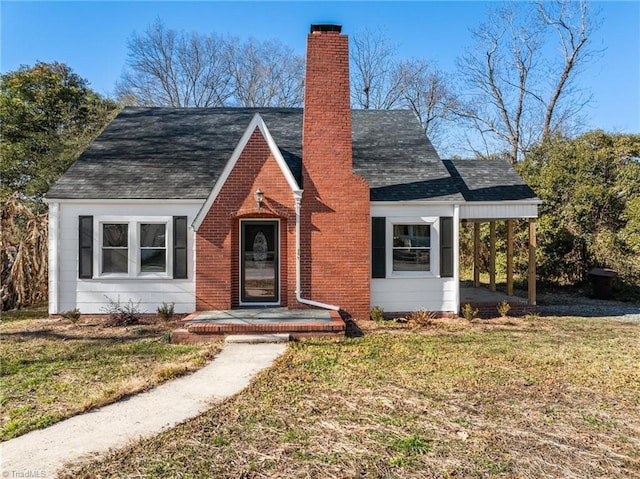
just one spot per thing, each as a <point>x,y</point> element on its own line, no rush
<point>54,238</point>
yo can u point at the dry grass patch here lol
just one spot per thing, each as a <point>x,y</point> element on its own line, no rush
<point>555,397</point>
<point>53,369</point>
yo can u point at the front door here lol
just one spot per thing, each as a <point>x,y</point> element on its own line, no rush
<point>259,272</point>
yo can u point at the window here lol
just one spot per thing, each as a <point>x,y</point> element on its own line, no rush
<point>139,247</point>
<point>133,247</point>
<point>115,248</point>
<point>153,248</point>
<point>411,247</point>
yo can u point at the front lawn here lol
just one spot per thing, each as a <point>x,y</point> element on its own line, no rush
<point>52,369</point>
<point>542,397</point>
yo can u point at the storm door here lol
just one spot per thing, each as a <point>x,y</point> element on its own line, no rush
<point>259,271</point>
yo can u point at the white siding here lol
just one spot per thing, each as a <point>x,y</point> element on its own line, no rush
<point>90,295</point>
<point>408,209</point>
<point>430,292</point>
<point>488,211</point>
<point>410,294</point>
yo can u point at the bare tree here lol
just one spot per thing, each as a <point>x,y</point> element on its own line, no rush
<point>514,93</point>
<point>169,68</point>
<point>266,74</point>
<point>373,61</point>
<point>425,90</point>
<point>174,68</point>
<point>380,81</point>
<point>573,26</point>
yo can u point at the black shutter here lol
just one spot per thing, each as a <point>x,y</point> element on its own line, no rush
<point>85,247</point>
<point>446,247</point>
<point>179,247</point>
<point>378,249</point>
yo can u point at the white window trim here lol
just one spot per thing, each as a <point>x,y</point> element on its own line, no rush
<point>134,223</point>
<point>434,256</point>
<point>100,254</point>
<point>167,258</point>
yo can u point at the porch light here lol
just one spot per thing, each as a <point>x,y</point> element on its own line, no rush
<point>259,197</point>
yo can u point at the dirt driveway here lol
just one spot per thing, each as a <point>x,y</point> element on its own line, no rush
<point>550,304</point>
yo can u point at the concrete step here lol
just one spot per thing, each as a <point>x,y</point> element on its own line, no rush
<point>262,325</point>
<point>257,338</point>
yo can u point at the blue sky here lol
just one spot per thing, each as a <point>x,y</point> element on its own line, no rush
<point>91,37</point>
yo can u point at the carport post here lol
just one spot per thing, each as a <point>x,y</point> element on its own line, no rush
<point>510,257</point>
<point>476,254</point>
<point>492,255</point>
<point>532,262</point>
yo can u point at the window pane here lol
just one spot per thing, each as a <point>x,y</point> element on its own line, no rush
<point>152,235</point>
<point>405,259</point>
<point>115,260</point>
<point>153,260</point>
<point>114,235</point>
<point>416,236</point>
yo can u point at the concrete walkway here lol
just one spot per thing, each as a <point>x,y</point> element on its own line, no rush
<point>42,453</point>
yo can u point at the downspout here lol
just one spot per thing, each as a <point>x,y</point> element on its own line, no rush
<point>298,197</point>
<point>456,255</point>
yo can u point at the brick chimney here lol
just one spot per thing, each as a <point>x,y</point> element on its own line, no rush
<point>335,239</point>
<point>327,103</point>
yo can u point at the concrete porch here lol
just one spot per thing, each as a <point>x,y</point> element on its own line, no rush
<point>486,301</point>
<point>296,323</point>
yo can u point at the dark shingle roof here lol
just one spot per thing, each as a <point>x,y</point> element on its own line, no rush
<point>179,153</point>
<point>488,180</point>
<point>392,153</point>
<point>170,152</point>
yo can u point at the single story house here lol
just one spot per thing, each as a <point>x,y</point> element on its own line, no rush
<point>319,207</point>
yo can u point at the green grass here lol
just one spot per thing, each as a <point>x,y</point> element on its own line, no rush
<point>545,397</point>
<point>36,311</point>
<point>52,369</point>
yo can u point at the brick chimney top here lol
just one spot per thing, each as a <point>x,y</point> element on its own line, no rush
<point>326,28</point>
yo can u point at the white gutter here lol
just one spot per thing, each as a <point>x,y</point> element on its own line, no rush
<point>298,197</point>
<point>456,255</point>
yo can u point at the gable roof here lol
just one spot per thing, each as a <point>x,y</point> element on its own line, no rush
<point>181,153</point>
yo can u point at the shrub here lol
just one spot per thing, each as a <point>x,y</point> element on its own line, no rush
<point>469,312</point>
<point>73,315</point>
<point>422,317</point>
<point>503,308</point>
<point>532,316</point>
<point>165,311</point>
<point>377,314</point>
<point>121,314</point>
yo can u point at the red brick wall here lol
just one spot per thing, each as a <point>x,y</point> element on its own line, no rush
<point>335,228</point>
<point>335,236</point>
<point>218,238</point>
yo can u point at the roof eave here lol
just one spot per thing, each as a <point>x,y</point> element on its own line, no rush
<point>529,201</point>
